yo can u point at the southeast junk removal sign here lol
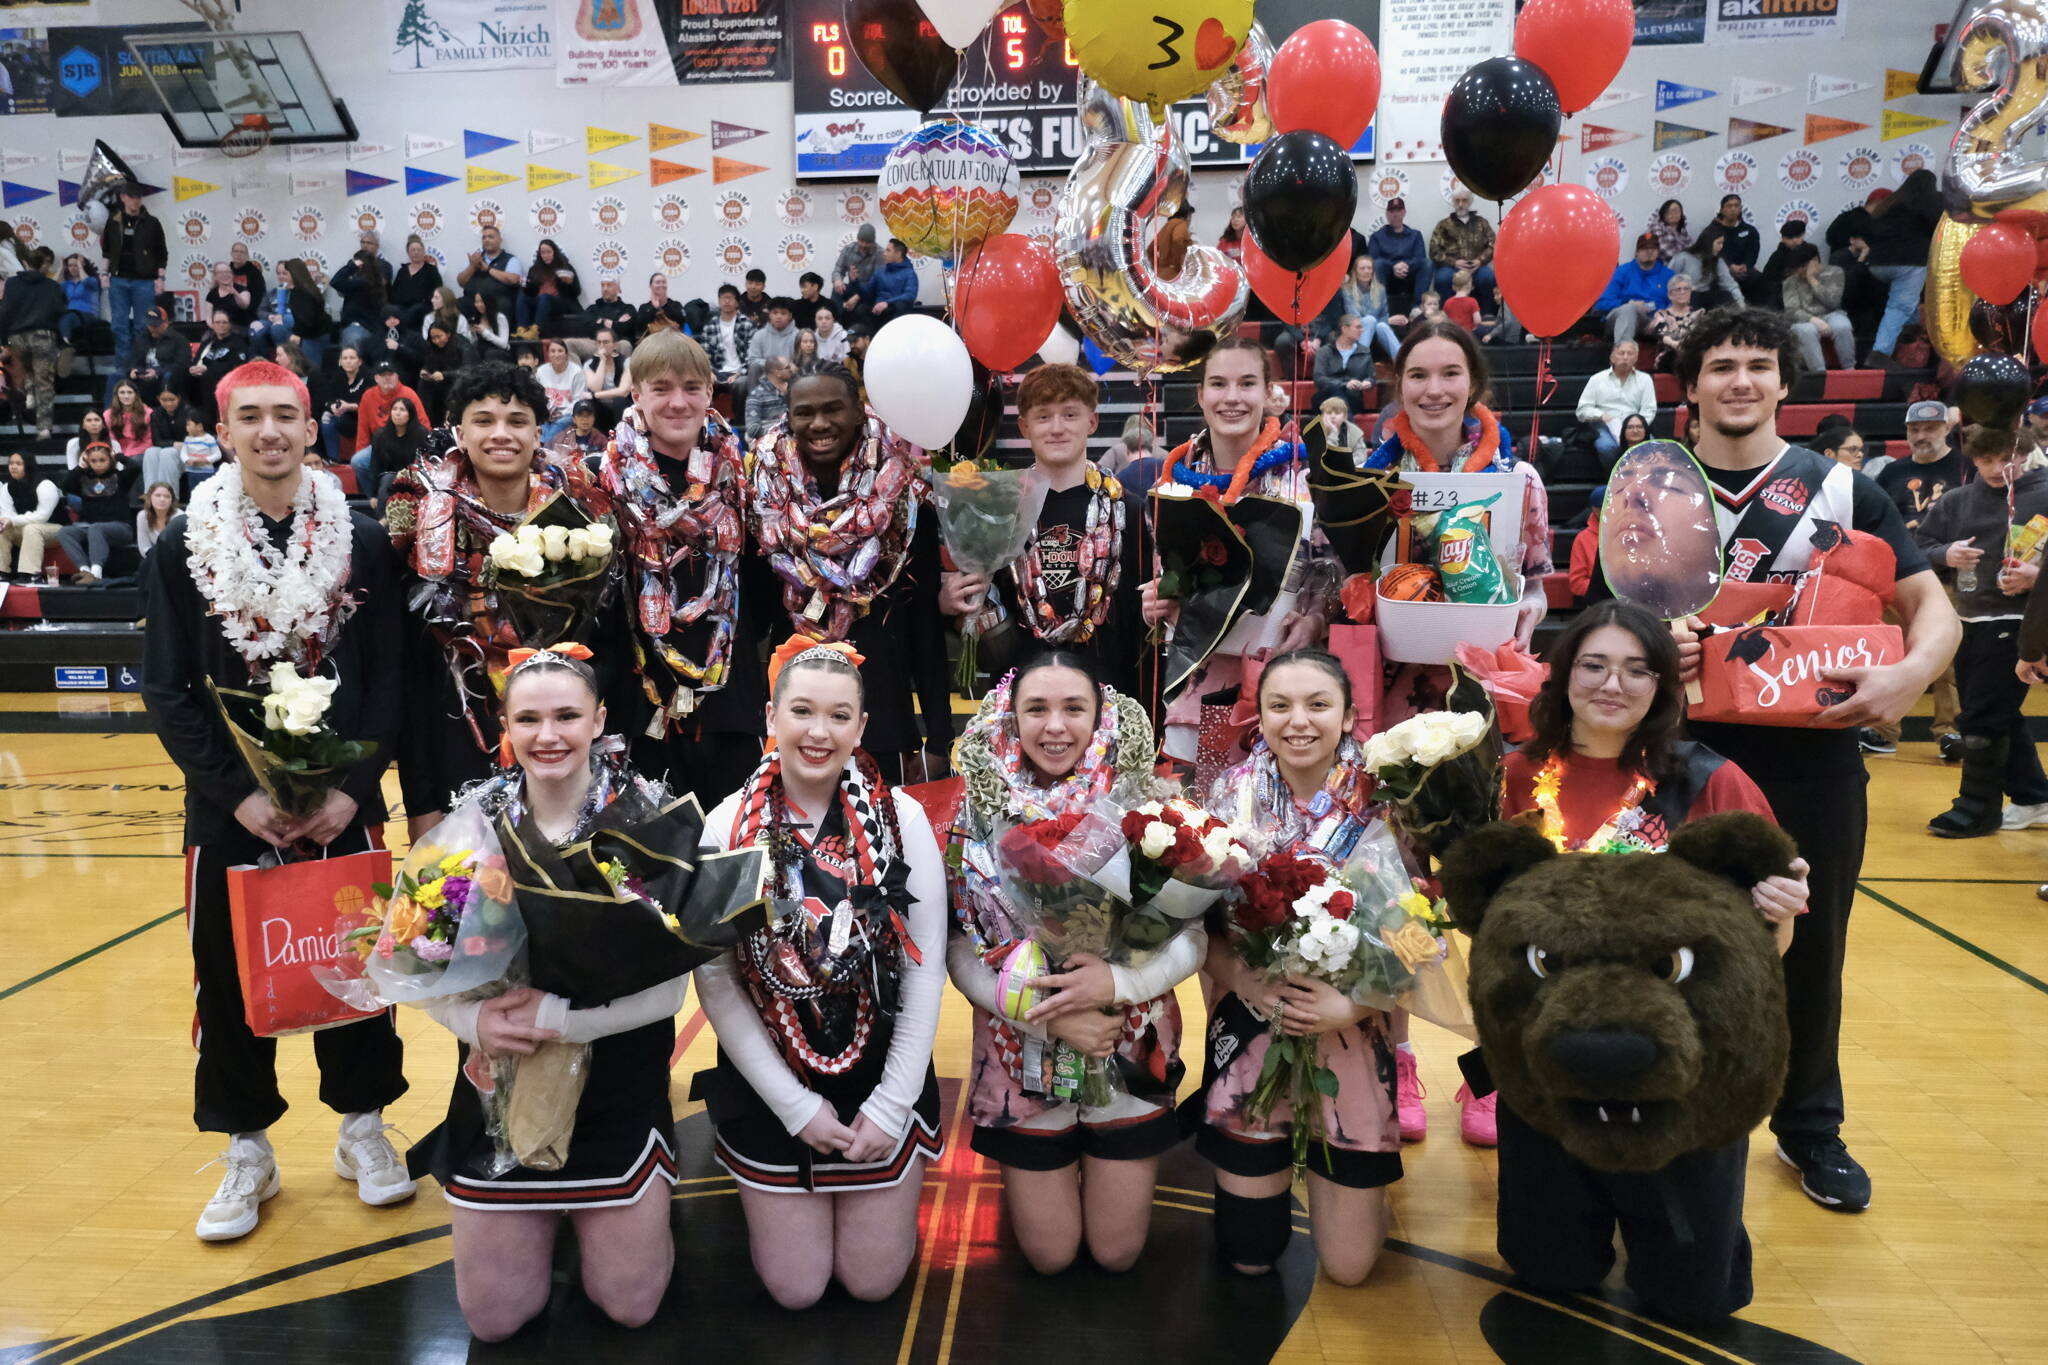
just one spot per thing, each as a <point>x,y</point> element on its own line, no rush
<point>670,42</point>
<point>468,35</point>
<point>98,76</point>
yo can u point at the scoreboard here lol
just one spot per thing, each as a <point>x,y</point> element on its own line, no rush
<point>1018,83</point>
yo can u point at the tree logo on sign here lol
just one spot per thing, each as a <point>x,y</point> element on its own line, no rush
<point>419,31</point>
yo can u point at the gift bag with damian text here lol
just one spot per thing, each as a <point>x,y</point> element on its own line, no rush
<point>285,920</point>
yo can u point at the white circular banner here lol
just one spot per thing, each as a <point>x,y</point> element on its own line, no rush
<point>607,212</point>
<point>794,208</point>
<point>1448,184</point>
<point>250,223</point>
<point>1800,170</point>
<point>1861,168</point>
<point>363,216</point>
<point>1670,172</point>
<point>198,270</point>
<point>1735,173</point>
<point>797,251</point>
<point>735,253</point>
<point>192,227</point>
<point>1041,198</point>
<point>309,224</point>
<point>1804,209</point>
<point>1910,157</point>
<point>428,218</point>
<point>671,211</point>
<point>672,254</point>
<point>1607,176</point>
<point>27,231</point>
<point>547,214</point>
<point>856,206</point>
<point>485,213</point>
<point>608,257</point>
<point>1388,183</point>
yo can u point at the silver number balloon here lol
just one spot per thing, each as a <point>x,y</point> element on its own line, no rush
<point>1130,182</point>
<point>1994,162</point>
<point>1237,101</point>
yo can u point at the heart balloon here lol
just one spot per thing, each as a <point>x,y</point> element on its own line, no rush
<point>1554,255</point>
<point>1500,125</point>
<point>1007,300</point>
<point>902,49</point>
<point>1992,390</point>
<point>1326,78</point>
<point>1277,288</point>
<point>1998,262</point>
<point>1299,196</point>
<point>1579,44</point>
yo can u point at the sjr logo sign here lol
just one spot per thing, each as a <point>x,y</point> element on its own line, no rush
<point>78,71</point>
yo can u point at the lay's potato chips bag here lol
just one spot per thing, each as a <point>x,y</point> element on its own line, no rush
<point>1464,556</point>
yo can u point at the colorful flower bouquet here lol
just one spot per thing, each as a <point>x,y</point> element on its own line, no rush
<point>1441,772</point>
<point>1182,858</point>
<point>283,736</point>
<point>549,572</point>
<point>986,517</point>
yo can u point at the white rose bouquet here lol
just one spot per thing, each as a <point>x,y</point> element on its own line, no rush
<point>1182,857</point>
<point>550,572</point>
<point>284,737</point>
<point>1440,770</point>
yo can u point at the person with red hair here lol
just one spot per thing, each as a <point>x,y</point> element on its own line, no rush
<point>270,567</point>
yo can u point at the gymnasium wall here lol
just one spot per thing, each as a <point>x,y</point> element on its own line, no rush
<point>759,216</point>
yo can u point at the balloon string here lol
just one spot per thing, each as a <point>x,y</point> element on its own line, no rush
<point>1294,386</point>
<point>1546,389</point>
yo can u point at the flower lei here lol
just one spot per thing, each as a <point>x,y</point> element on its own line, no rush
<point>665,526</point>
<point>1096,571</point>
<point>272,604</point>
<point>1618,835</point>
<point>1482,449</point>
<point>1188,459</point>
<point>1330,822</point>
<point>835,555</point>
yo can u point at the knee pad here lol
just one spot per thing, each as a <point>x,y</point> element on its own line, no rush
<point>1252,1231</point>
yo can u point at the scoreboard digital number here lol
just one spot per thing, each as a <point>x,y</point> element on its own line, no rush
<point>1019,83</point>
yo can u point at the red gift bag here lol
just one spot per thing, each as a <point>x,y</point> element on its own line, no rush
<point>286,922</point>
<point>1772,675</point>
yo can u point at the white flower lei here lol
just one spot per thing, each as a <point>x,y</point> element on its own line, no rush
<point>272,605</point>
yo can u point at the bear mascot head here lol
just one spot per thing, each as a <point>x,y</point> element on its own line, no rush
<point>1631,1006</point>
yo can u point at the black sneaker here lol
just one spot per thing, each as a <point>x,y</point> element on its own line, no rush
<point>1951,747</point>
<point>1827,1173</point>
<point>1871,742</point>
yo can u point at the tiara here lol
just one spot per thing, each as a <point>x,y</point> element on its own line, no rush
<point>561,656</point>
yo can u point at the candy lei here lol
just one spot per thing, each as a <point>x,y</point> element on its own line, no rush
<point>1096,571</point>
<point>272,604</point>
<point>1618,835</point>
<point>1330,822</point>
<point>665,526</point>
<point>835,555</point>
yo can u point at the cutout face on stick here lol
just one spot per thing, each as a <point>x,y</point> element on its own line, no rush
<point>1659,546</point>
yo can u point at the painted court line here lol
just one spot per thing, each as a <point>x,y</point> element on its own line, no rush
<point>90,953</point>
<point>1993,959</point>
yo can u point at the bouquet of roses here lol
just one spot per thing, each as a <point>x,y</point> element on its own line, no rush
<point>550,571</point>
<point>1441,772</point>
<point>283,736</point>
<point>1182,858</point>
<point>986,518</point>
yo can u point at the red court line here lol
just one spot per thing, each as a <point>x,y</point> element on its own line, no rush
<point>687,1036</point>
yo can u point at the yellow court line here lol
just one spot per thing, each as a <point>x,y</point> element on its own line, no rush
<point>924,1270</point>
<point>1666,1328</point>
<point>1592,1321</point>
<point>959,1277</point>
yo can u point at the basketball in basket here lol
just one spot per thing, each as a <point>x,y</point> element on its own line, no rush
<point>1411,583</point>
<point>247,138</point>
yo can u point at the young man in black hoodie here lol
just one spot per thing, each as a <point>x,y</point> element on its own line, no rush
<point>29,313</point>
<point>317,589</point>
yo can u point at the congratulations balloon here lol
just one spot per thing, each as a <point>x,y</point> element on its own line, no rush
<point>947,187</point>
<point>1159,51</point>
<point>1238,100</point>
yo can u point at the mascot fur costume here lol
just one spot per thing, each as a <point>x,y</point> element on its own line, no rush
<point>1631,1011</point>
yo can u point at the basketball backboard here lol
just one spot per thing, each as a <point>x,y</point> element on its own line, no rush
<point>224,85</point>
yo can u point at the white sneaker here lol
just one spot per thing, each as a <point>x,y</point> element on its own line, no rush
<point>2025,817</point>
<point>363,1154</point>
<point>251,1178</point>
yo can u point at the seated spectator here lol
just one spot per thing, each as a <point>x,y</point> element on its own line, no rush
<point>1344,367</point>
<point>128,422</point>
<point>1673,323</point>
<point>101,515</point>
<point>402,440</point>
<point>1611,395</point>
<point>609,311</point>
<point>1428,308</point>
<point>1400,260</point>
<point>768,397</point>
<point>25,502</point>
<point>248,274</point>
<point>493,271</point>
<point>489,329</point>
<point>778,338</point>
<point>163,459</point>
<point>1586,544</point>
<point>156,359</point>
<point>1134,443</point>
<point>526,356</point>
<point>853,274</point>
<point>895,284</point>
<point>728,336</point>
<point>338,398</point>
<point>447,354</point>
<point>1843,445</point>
<point>1461,307</point>
<point>364,285</point>
<point>416,281</point>
<point>1791,236</point>
<point>1667,224</point>
<point>552,287</point>
<point>1231,241</point>
<point>831,338</point>
<point>30,310</point>
<point>2037,420</point>
<point>1363,296</point>
<point>226,295</point>
<point>221,352</point>
<point>1635,291</point>
<point>296,315</point>
<point>92,430</point>
<point>1506,328</point>
<point>1635,429</point>
<point>1813,305</point>
<point>1339,432</point>
<point>806,351</point>
<point>810,296</point>
<point>446,305</point>
<point>607,377</point>
<point>1461,241</point>
<point>159,505</point>
<point>396,342</point>
<point>198,453</point>
<point>1732,242</point>
<point>755,303</point>
<point>81,285</point>
<point>660,313</point>
<point>564,382</point>
<point>372,414</point>
<point>581,439</point>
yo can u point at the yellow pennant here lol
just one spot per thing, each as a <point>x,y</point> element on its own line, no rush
<point>660,135</point>
<point>1897,82</point>
<point>483,178</point>
<point>540,178</point>
<point>1898,123</point>
<point>187,188</point>
<point>597,140</point>
<point>604,173</point>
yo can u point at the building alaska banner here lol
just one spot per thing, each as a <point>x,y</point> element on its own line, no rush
<point>468,35</point>
<point>670,42</point>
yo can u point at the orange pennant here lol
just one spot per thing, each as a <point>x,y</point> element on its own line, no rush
<point>1819,127</point>
<point>660,135</point>
<point>662,172</point>
<point>724,168</point>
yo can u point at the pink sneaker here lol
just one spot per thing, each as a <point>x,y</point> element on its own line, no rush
<point>1476,1121</point>
<point>1408,1093</point>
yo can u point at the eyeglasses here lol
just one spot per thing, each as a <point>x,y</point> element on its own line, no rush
<point>1635,679</point>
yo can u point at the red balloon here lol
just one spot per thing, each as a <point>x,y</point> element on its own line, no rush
<point>1051,16</point>
<point>2040,334</point>
<point>1554,256</point>
<point>1325,78</point>
<point>1275,285</point>
<point>1579,44</point>
<point>1006,300</point>
<point>1998,262</point>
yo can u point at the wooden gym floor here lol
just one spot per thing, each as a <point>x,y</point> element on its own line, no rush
<point>1945,1025</point>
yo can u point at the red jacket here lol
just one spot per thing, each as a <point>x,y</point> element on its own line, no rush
<point>1585,552</point>
<point>375,410</point>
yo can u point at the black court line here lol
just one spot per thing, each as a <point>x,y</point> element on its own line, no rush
<point>57,723</point>
<point>90,953</point>
<point>1962,881</point>
<point>2016,973</point>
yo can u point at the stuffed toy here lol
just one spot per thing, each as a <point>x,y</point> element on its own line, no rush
<point>1631,1012</point>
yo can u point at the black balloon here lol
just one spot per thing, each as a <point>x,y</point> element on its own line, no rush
<point>2002,327</point>
<point>1299,196</point>
<point>1993,389</point>
<point>1500,126</point>
<point>901,49</point>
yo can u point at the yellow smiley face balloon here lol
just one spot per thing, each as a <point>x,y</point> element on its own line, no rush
<point>1157,51</point>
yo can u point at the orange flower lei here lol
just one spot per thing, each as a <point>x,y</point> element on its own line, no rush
<point>1609,838</point>
<point>1484,451</point>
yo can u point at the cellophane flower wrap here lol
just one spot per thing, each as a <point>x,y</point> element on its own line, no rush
<point>1407,957</point>
<point>283,735</point>
<point>1440,770</point>
<point>550,572</point>
<point>1182,858</point>
<point>986,518</point>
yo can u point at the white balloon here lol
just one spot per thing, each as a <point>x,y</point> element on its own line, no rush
<point>960,22</point>
<point>920,379</point>
<point>1061,347</point>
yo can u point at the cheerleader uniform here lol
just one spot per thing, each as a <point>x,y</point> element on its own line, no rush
<point>624,1138</point>
<point>801,1025</point>
<point>1362,1147</point>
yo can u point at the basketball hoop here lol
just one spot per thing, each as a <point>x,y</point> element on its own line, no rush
<point>247,138</point>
